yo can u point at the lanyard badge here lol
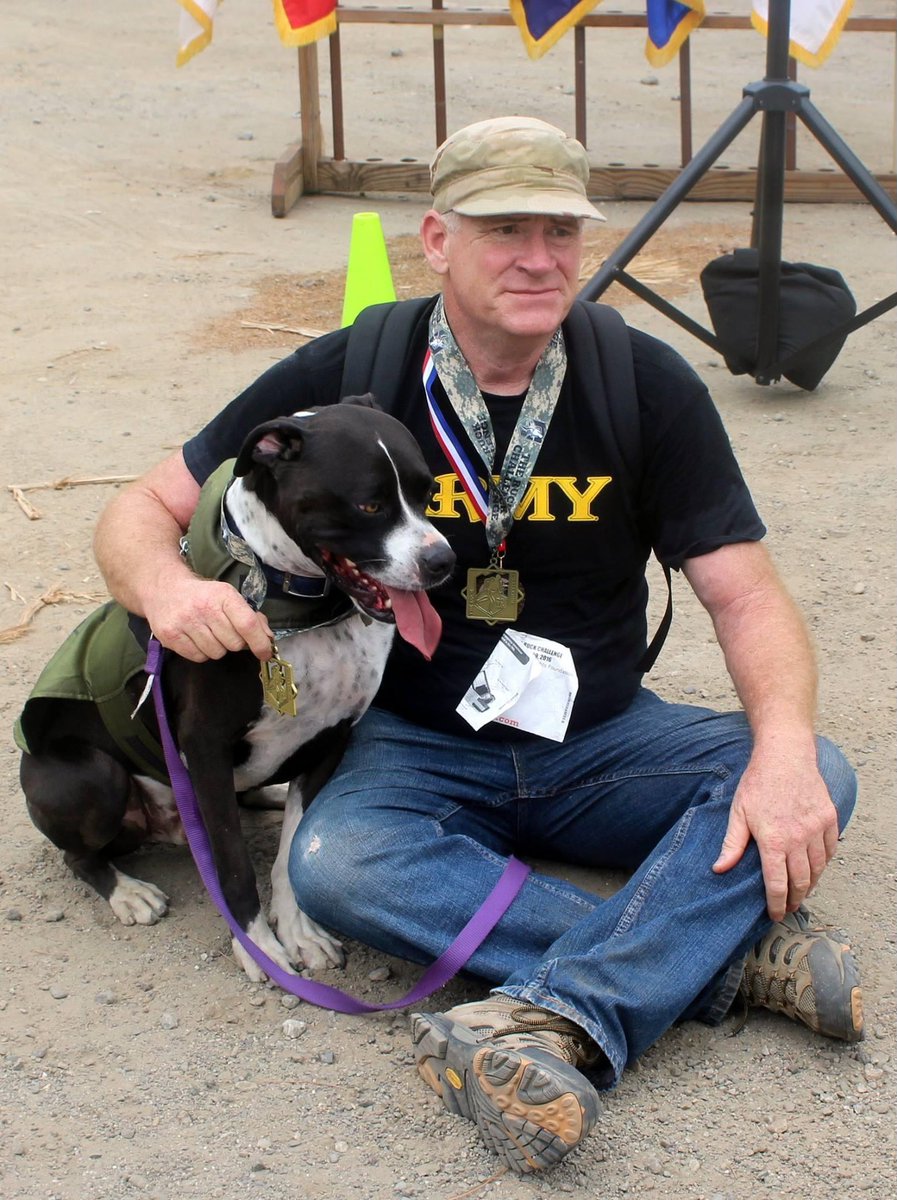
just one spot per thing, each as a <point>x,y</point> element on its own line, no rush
<point>493,593</point>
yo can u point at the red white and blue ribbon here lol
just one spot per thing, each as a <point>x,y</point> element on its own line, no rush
<point>451,446</point>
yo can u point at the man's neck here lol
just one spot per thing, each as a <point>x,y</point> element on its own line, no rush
<point>502,365</point>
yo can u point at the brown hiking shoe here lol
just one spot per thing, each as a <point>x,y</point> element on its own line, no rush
<point>803,970</point>
<point>511,1068</point>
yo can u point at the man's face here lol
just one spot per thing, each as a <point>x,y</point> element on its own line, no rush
<point>517,275</point>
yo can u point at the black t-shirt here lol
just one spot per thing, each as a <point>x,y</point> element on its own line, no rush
<point>584,529</point>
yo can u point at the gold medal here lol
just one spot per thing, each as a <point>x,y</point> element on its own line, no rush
<point>278,685</point>
<point>493,594</point>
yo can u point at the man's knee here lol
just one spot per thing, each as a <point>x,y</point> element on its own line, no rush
<point>840,779</point>
<point>321,866</point>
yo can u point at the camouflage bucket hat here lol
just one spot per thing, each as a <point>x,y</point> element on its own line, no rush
<point>511,165</point>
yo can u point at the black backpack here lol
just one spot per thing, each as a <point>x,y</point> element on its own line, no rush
<point>380,343</point>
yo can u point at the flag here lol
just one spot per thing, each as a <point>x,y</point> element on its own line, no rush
<point>542,23</point>
<point>300,22</point>
<point>195,30</point>
<point>815,27</point>
<point>669,24</point>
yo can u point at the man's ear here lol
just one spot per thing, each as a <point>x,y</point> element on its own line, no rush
<point>433,236</point>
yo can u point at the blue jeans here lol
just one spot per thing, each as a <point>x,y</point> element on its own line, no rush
<point>410,835</point>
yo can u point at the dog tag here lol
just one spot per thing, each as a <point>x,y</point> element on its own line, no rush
<point>493,594</point>
<point>278,685</point>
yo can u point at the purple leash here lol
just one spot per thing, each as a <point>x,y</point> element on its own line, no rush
<point>434,977</point>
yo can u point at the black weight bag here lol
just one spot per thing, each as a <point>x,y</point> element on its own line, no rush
<point>812,301</point>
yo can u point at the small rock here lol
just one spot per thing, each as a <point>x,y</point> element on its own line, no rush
<point>13,914</point>
<point>289,1001</point>
<point>327,1057</point>
<point>246,136</point>
<point>649,81</point>
<point>293,1028</point>
<point>169,1021</point>
<point>57,992</point>
<point>106,998</point>
<point>858,589</point>
<point>54,914</point>
<point>379,974</point>
<point>257,999</point>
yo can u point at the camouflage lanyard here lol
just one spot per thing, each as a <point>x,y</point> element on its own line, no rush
<point>504,494</point>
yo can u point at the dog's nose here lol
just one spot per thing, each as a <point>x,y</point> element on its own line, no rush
<point>436,562</point>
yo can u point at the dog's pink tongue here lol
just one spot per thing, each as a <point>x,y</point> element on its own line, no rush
<point>416,620</point>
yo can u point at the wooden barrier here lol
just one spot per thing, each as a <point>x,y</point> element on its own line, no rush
<point>304,168</point>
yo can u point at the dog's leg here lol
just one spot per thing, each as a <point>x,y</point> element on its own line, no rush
<point>88,805</point>
<point>208,760</point>
<point>302,938</point>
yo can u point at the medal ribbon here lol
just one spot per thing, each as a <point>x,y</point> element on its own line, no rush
<point>496,502</point>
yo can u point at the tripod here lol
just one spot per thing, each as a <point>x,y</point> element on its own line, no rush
<point>774,96</point>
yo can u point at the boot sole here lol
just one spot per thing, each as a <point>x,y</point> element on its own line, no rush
<point>531,1108</point>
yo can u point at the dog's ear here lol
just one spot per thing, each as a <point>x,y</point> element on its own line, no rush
<point>365,401</point>
<point>280,439</point>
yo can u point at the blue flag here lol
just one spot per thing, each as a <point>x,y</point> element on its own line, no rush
<point>669,24</point>
<point>542,23</point>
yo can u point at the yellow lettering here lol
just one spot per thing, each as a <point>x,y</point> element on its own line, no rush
<point>536,498</point>
<point>449,490</point>
<point>537,501</point>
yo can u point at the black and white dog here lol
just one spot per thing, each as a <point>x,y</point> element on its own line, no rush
<point>334,499</point>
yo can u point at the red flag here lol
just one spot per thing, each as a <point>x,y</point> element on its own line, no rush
<point>300,22</point>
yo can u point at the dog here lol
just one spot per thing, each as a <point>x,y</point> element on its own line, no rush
<point>330,501</point>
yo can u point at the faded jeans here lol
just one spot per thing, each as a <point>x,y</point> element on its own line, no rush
<point>411,834</point>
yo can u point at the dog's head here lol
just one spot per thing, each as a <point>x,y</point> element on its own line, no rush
<point>347,486</point>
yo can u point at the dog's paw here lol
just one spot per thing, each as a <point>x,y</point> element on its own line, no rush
<point>304,940</point>
<point>261,934</point>
<point>136,902</point>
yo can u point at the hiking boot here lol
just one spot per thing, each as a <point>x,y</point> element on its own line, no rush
<point>800,969</point>
<point>512,1069</point>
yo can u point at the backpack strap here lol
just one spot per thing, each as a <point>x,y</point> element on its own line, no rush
<point>378,347</point>
<point>603,350</point>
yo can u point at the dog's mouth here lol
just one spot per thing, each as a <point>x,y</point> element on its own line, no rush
<point>411,611</point>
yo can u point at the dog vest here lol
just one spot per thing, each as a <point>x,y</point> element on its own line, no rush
<point>101,656</point>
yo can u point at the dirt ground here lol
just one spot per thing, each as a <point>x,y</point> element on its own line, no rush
<point>137,255</point>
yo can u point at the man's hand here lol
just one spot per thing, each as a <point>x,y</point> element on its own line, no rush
<point>783,804</point>
<point>137,549</point>
<point>202,619</point>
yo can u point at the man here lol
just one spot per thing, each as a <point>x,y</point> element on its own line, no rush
<point>725,822</point>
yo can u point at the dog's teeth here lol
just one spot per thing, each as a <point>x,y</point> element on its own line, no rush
<point>387,603</point>
<point>349,563</point>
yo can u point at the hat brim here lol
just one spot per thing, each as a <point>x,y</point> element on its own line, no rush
<point>544,202</point>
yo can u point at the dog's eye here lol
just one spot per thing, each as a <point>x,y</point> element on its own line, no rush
<point>370,509</point>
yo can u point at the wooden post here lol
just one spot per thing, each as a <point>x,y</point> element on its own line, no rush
<point>310,115</point>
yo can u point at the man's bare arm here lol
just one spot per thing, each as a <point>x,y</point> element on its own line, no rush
<point>137,548</point>
<point>781,801</point>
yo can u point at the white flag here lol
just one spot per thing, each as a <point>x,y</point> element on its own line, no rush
<point>195,30</point>
<point>815,26</point>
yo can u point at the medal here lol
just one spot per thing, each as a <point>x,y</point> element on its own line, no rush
<point>493,594</point>
<point>278,684</point>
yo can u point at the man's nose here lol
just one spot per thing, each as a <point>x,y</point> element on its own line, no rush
<point>537,254</point>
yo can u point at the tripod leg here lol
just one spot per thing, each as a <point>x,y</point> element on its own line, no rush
<point>848,162</point>
<point>664,205</point>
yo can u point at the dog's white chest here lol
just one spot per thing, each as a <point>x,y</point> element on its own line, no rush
<point>337,671</point>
